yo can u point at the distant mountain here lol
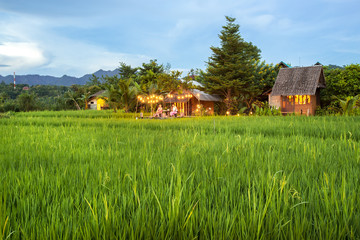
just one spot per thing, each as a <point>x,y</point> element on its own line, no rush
<point>50,80</point>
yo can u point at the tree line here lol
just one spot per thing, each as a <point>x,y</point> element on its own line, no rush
<point>234,71</point>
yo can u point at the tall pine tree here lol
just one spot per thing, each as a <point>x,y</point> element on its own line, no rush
<point>230,69</point>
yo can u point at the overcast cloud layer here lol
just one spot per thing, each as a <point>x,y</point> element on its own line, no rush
<point>80,37</point>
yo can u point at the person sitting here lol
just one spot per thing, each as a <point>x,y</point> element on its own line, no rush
<point>159,111</point>
<point>174,111</point>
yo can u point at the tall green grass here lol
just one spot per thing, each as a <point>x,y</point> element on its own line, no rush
<point>95,175</point>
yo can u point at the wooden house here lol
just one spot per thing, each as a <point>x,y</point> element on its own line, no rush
<point>296,90</point>
<point>95,101</point>
<point>192,102</point>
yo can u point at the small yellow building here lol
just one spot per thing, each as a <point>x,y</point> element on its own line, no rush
<point>97,102</point>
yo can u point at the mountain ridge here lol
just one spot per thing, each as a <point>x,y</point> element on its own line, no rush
<point>65,80</point>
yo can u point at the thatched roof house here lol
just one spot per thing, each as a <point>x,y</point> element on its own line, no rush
<point>190,102</point>
<point>296,90</point>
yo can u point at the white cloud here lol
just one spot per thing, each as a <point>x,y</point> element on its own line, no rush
<point>20,55</point>
<point>34,46</point>
<point>78,58</point>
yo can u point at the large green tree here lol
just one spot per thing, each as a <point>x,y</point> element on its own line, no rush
<point>148,74</point>
<point>340,82</point>
<point>126,71</point>
<point>27,102</point>
<point>230,69</point>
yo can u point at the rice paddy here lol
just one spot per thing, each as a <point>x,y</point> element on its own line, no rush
<point>100,175</point>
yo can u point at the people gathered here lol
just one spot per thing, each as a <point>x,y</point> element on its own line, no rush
<point>159,111</point>
<point>174,111</point>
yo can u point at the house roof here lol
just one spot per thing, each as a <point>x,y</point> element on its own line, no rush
<point>282,64</point>
<point>203,96</point>
<point>299,81</point>
<point>99,93</point>
<point>198,94</point>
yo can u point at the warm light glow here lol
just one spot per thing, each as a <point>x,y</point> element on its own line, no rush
<point>300,99</point>
<point>227,112</point>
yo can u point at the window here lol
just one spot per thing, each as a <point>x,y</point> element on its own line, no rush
<point>302,99</point>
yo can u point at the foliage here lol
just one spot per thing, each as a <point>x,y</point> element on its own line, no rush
<point>169,81</point>
<point>128,90</point>
<point>27,102</point>
<point>126,71</point>
<point>72,97</point>
<point>263,109</point>
<point>340,82</point>
<point>348,104</point>
<point>148,74</point>
<point>94,81</point>
<point>231,68</point>
<point>112,95</point>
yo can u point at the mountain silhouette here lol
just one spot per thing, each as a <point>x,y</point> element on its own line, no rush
<point>34,79</point>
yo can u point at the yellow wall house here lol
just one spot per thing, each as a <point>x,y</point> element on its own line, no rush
<point>95,101</point>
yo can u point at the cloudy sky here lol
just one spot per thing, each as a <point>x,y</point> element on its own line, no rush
<point>76,37</point>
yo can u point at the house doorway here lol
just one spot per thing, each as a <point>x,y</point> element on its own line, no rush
<point>288,105</point>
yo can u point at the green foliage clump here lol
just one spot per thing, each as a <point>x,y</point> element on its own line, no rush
<point>235,72</point>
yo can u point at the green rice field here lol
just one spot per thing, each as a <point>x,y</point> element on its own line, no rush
<point>100,175</point>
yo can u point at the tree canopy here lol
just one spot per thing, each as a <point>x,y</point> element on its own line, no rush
<point>231,67</point>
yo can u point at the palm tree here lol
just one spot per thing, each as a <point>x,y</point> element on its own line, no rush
<point>347,105</point>
<point>112,96</point>
<point>71,96</point>
<point>85,98</point>
<point>128,90</point>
